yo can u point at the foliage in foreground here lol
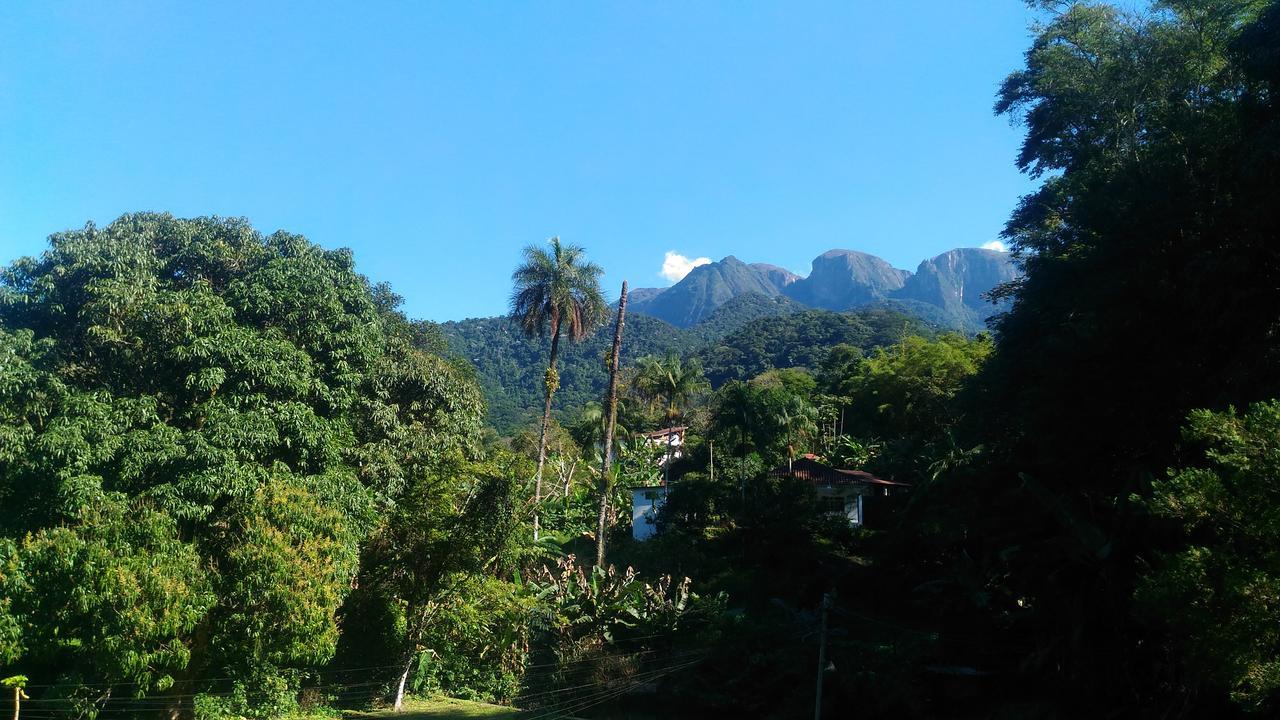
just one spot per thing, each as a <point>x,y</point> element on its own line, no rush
<point>199,426</point>
<point>1221,589</point>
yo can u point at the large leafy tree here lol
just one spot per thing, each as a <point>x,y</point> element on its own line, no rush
<point>908,398</point>
<point>1152,287</point>
<point>451,526</point>
<point>771,417</point>
<point>206,422</point>
<point>555,291</point>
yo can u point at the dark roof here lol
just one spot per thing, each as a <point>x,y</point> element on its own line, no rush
<point>808,467</point>
<point>666,431</point>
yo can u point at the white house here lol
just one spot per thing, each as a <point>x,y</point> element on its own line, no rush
<point>646,503</point>
<point>669,440</point>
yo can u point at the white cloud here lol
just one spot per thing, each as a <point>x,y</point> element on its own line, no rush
<point>995,245</point>
<point>675,266</point>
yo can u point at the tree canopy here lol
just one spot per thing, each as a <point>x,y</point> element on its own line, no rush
<point>199,425</point>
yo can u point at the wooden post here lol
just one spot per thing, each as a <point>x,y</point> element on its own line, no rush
<point>611,419</point>
<point>822,655</point>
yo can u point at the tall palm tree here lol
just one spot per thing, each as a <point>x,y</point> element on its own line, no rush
<point>670,382</point>
<point>555,290</point>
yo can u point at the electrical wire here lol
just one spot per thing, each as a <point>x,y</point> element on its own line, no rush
<point>585,701</point>
<point>60,708</point>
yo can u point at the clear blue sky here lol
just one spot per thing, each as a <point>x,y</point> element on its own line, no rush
<point>436,139</point>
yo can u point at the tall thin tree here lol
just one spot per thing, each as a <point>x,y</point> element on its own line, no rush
<point>611,419</point>
<point>555,290</point>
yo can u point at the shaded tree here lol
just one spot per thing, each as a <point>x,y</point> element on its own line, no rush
<point>203,423</point>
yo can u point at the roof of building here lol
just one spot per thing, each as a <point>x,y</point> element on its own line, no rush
<point>809,467</point>
<point>666,431</point>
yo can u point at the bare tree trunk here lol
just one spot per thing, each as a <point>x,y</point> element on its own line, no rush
<point>611,418</point>
<point>566,477</point>
<point>546,420</point>
<point>666,476</point>
<point>404,679</point>
<point>18,697</point>
<point>713,461</point>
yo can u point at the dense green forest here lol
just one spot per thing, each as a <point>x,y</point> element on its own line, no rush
<point>236,481</point>
<point>746,336</point>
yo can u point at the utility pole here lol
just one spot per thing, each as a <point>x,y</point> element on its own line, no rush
<point>822,654</point>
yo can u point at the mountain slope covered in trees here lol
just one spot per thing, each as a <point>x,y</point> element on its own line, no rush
<point>749,334</point>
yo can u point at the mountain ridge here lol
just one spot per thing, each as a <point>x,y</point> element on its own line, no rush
<point>948,289</point>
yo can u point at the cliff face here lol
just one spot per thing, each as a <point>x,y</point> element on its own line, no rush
<point>946,290</point>
<point>957,280</point>
<point>845,279</point>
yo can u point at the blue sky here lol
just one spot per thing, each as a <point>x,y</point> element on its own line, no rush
<point>436,139</point>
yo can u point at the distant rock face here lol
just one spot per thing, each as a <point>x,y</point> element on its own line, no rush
<point>704,289</point>
<point>957,280</point>
<point>946,291</point>
<point>639,296</point>
<point>845,279</point>
<point>776,276</point>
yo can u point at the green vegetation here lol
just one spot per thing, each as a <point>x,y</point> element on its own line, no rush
<point>746,336</point>
<point>201,427</point>
<point>437,709</point>
<point>510,367</point>
<point>236,482</point>
<point>799,340</point>
<point>1219,586</point>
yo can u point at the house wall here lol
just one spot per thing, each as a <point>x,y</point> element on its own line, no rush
<point>668,443</point>
<point>646,503</point>
<point>853,497</point>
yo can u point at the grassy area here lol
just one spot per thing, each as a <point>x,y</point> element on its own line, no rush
<point>436,709</point>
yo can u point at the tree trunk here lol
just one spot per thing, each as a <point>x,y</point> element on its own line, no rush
<point>666,474</point>
<point>18,696</point>
<point>611,418</point>
<point>542,437</point>
<point>404,679</point>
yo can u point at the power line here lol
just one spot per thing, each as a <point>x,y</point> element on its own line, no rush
<point>585,701</point>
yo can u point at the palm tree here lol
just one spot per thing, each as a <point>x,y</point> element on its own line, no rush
<point>670,382</point>
<point>555,291</point>
<point>799,422</point>
<point>733,417</point>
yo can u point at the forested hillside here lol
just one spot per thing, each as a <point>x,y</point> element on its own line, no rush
<point>748,335</point>
<point>510,366</point>
<point>800,340</point>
